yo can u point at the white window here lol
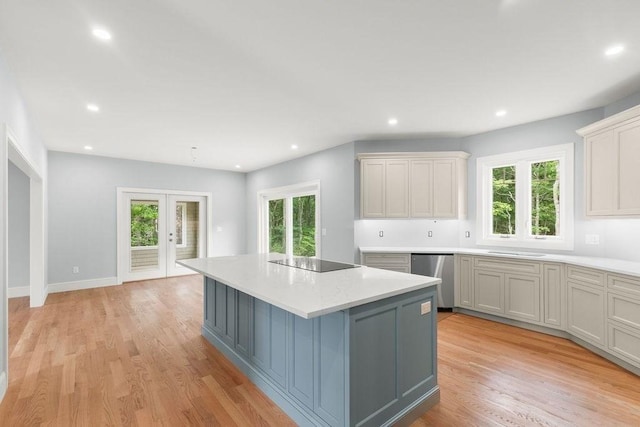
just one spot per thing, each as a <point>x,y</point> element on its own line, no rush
<point>525,199</point>
<point>289,220</point>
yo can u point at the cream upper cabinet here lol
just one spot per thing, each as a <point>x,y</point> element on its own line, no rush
<point>373,193</point>
<point>422,188</point>
<point>612,165</point>
<point>397,189</point>
<point>413,185</point>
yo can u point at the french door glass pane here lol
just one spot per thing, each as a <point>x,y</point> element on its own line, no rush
<point>545,198</point>
<point>187,230</point>
<point>304,226</point>
<point>277,229</point>
<point>504,200</point>
<point>144,234</point>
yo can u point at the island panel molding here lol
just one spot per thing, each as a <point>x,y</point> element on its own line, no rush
<point>343,362</point>
<point>370,365</point>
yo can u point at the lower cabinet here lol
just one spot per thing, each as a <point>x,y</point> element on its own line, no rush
<point>522,297</point>
<point>586,313</point>
<point>623,310</point>
<point>554,296</point>
<point>463,281</point>
<point>388,261</point>
<point>596,306</point>
<point>488,289</point>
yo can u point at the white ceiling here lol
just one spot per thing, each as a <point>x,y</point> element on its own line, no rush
<point>243,80</point>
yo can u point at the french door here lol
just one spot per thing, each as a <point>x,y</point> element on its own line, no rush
<point>157,230</point>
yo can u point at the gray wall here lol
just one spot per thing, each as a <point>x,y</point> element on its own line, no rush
<point>335,170</point>
<point>18,227</point>
<point>82,209</point>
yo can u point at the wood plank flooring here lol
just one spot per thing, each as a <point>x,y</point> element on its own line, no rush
<point>133,355</point>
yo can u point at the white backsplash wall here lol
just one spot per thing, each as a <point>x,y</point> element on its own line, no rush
<point>617,238</point>
<point>407,232</point>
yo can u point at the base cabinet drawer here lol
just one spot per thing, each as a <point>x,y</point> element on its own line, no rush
<point>586,313</point>
<point>624,309</point>
<point>388,261</point>
<point>625,343</point>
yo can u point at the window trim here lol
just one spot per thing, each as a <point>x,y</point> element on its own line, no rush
<point>310,188</point>
<point>522,160</point>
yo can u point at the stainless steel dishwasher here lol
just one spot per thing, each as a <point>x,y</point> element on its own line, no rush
<point>440,266</point>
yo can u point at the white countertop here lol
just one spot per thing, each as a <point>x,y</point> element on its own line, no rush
<point>609,264</point>
<point>306,293</point>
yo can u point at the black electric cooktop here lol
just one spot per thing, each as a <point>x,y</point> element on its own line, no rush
<point>313,264</point>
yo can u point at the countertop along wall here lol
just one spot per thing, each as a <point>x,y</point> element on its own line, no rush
<point>83,216</point>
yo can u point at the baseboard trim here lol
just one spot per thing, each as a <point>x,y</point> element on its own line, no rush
<point>19,291</point>
<point>81,284</point>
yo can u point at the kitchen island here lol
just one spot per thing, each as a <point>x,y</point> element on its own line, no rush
<point>351,347</point>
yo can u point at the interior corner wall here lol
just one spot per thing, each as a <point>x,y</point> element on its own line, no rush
<point>18,220</point>
<point>14,114</point>
<point>83,217</point>
<point>334,168</point>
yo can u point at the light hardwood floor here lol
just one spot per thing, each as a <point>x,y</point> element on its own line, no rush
<point>133,355</point>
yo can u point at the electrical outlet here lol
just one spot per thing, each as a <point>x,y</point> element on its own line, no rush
<point>75,269</point>
<point>324,231</point>
<point>380,233</point>
<point>467,234</point>
<point>592,239</point>
<point>425,307</point>
<point>430,233</point>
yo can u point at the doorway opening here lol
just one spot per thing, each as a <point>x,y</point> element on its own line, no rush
<point>156,228</point>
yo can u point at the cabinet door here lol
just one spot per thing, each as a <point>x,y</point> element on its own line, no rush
<point>445,187</point>
<point>488,291</point>
<point>628,139</point>
<point>522,297</point>
<point>554,295</point>
<point>463,282</point>
<point>421,188</point>
<point>601,178</point>
<point>396,194</point>
<point>586,313</point>
<point>372,188</point>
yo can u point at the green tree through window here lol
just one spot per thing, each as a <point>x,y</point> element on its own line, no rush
<point>504,200</point>
<point>545,198</point>
<point>144,224</point>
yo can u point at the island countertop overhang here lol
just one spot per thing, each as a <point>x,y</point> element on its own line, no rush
<point>305,293</point>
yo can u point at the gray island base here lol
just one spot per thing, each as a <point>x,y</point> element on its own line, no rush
<point>367,365</point>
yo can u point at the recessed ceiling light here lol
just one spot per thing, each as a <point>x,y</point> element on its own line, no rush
<point>294,147</point>
<point>237,166</point>
<point>392,121</point>
<point>501,113</point>
<point>88,147</point>
<point>93,107</point>
<point>101,33</point>
<point>614,50</point>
